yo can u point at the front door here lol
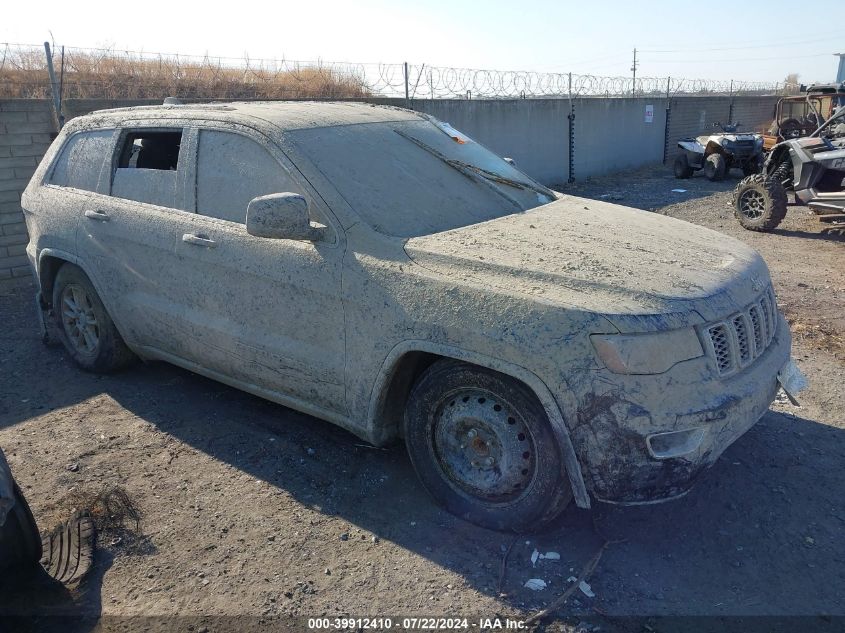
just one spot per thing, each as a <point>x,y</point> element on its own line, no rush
<point>263,311</point>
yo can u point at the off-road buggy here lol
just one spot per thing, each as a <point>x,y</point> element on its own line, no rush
<point>812,167</point>
<point>718,153</point>
<point>801,115</point>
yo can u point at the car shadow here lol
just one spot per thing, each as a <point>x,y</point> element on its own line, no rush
<point>32,601</point>
<point>835,233</point>
<point>760,534</point>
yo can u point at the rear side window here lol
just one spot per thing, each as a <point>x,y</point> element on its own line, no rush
<point>232,170</point>
<point>81,160</point>
<point>147,167</point>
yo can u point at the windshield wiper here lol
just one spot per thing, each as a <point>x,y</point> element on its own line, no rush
<point>491,175</point>
<point>487,177</point>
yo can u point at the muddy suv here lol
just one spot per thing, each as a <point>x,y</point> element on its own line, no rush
<point>378,269</point>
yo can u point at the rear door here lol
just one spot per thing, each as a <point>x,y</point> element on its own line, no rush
<point>128,233</point>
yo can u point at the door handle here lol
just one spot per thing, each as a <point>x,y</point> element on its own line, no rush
<point>102,216</point>
<point>198,240</point>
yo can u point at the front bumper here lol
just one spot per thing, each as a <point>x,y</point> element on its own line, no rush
<point>645,439</point>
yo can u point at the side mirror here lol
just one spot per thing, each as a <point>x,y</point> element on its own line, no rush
<point>281,216</point>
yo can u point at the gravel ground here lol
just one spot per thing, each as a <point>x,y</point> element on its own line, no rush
<point>254,513</point>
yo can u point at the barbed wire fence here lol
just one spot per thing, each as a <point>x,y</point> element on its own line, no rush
<point>110,73</point>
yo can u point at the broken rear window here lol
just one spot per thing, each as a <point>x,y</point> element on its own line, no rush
<point>150,150</point>
<point>147,167</point>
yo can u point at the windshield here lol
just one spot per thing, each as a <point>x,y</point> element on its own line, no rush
<point>412,178</point>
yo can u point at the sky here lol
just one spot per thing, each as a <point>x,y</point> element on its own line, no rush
<point>748,41</point>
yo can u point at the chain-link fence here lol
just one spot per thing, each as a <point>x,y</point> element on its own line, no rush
<point>120,74</point>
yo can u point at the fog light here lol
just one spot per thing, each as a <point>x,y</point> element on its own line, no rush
<point>674,443</point>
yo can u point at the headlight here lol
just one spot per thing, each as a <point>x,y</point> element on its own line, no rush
<point>646,353</point>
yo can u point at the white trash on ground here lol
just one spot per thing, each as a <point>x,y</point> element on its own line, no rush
<point>535,584</point>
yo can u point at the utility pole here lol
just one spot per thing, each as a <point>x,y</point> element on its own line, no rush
<point>634,70</point>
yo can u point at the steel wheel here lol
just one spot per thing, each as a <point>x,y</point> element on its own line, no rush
<point>79,321</point>
<point>483,446</point>
<point>752,204</point>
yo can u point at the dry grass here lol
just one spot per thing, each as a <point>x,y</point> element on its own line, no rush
<point>113,75</point>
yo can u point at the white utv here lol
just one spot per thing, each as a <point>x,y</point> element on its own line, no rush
<point>718,153</point>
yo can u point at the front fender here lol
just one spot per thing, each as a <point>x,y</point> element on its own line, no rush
<point>544,395</point>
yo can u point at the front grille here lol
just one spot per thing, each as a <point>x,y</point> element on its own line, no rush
<point>736,342</point>
<point>722,347</point>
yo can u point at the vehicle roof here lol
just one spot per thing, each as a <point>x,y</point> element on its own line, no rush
<point>286,115</point>
<point>826,88</point>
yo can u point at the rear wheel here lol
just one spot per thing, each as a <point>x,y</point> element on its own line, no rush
<point>483,447</point>
<point>759,203</point>
<point>682,167</point>
<point>715,167</point>
<point>85,328</point>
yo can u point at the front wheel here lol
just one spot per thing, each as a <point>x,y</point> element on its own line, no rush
<point>483,446</point>
<point>759,203</point>
<point>85,328</point>
<point>715,167</point>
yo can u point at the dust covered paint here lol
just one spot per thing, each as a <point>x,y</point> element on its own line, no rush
<point>425,246</point>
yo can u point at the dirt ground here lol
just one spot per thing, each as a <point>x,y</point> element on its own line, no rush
<point>252,513</point>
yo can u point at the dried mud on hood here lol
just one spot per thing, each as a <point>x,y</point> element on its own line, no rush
<point>600,257</point>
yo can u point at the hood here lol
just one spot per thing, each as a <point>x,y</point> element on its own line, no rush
<point>604,258</point>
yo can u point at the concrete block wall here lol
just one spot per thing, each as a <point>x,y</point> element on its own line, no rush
<point>533,132</point>
<point>612,135</point>
<point>26,131</point>
<point>755,113</point>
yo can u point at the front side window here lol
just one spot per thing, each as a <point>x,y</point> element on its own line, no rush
<point>147,167</point>
<point>232,169</point>
<point>81,160</point>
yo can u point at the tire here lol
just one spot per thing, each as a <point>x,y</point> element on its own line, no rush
<point>783,174</point>
<point>96,346</point>
<point>68,551</point>
<point>483,447</point>
<point>20,542</point>
<point>715,167</point>
<point>790,128</point>
<point>682,167</point>
<point>759,203</point>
